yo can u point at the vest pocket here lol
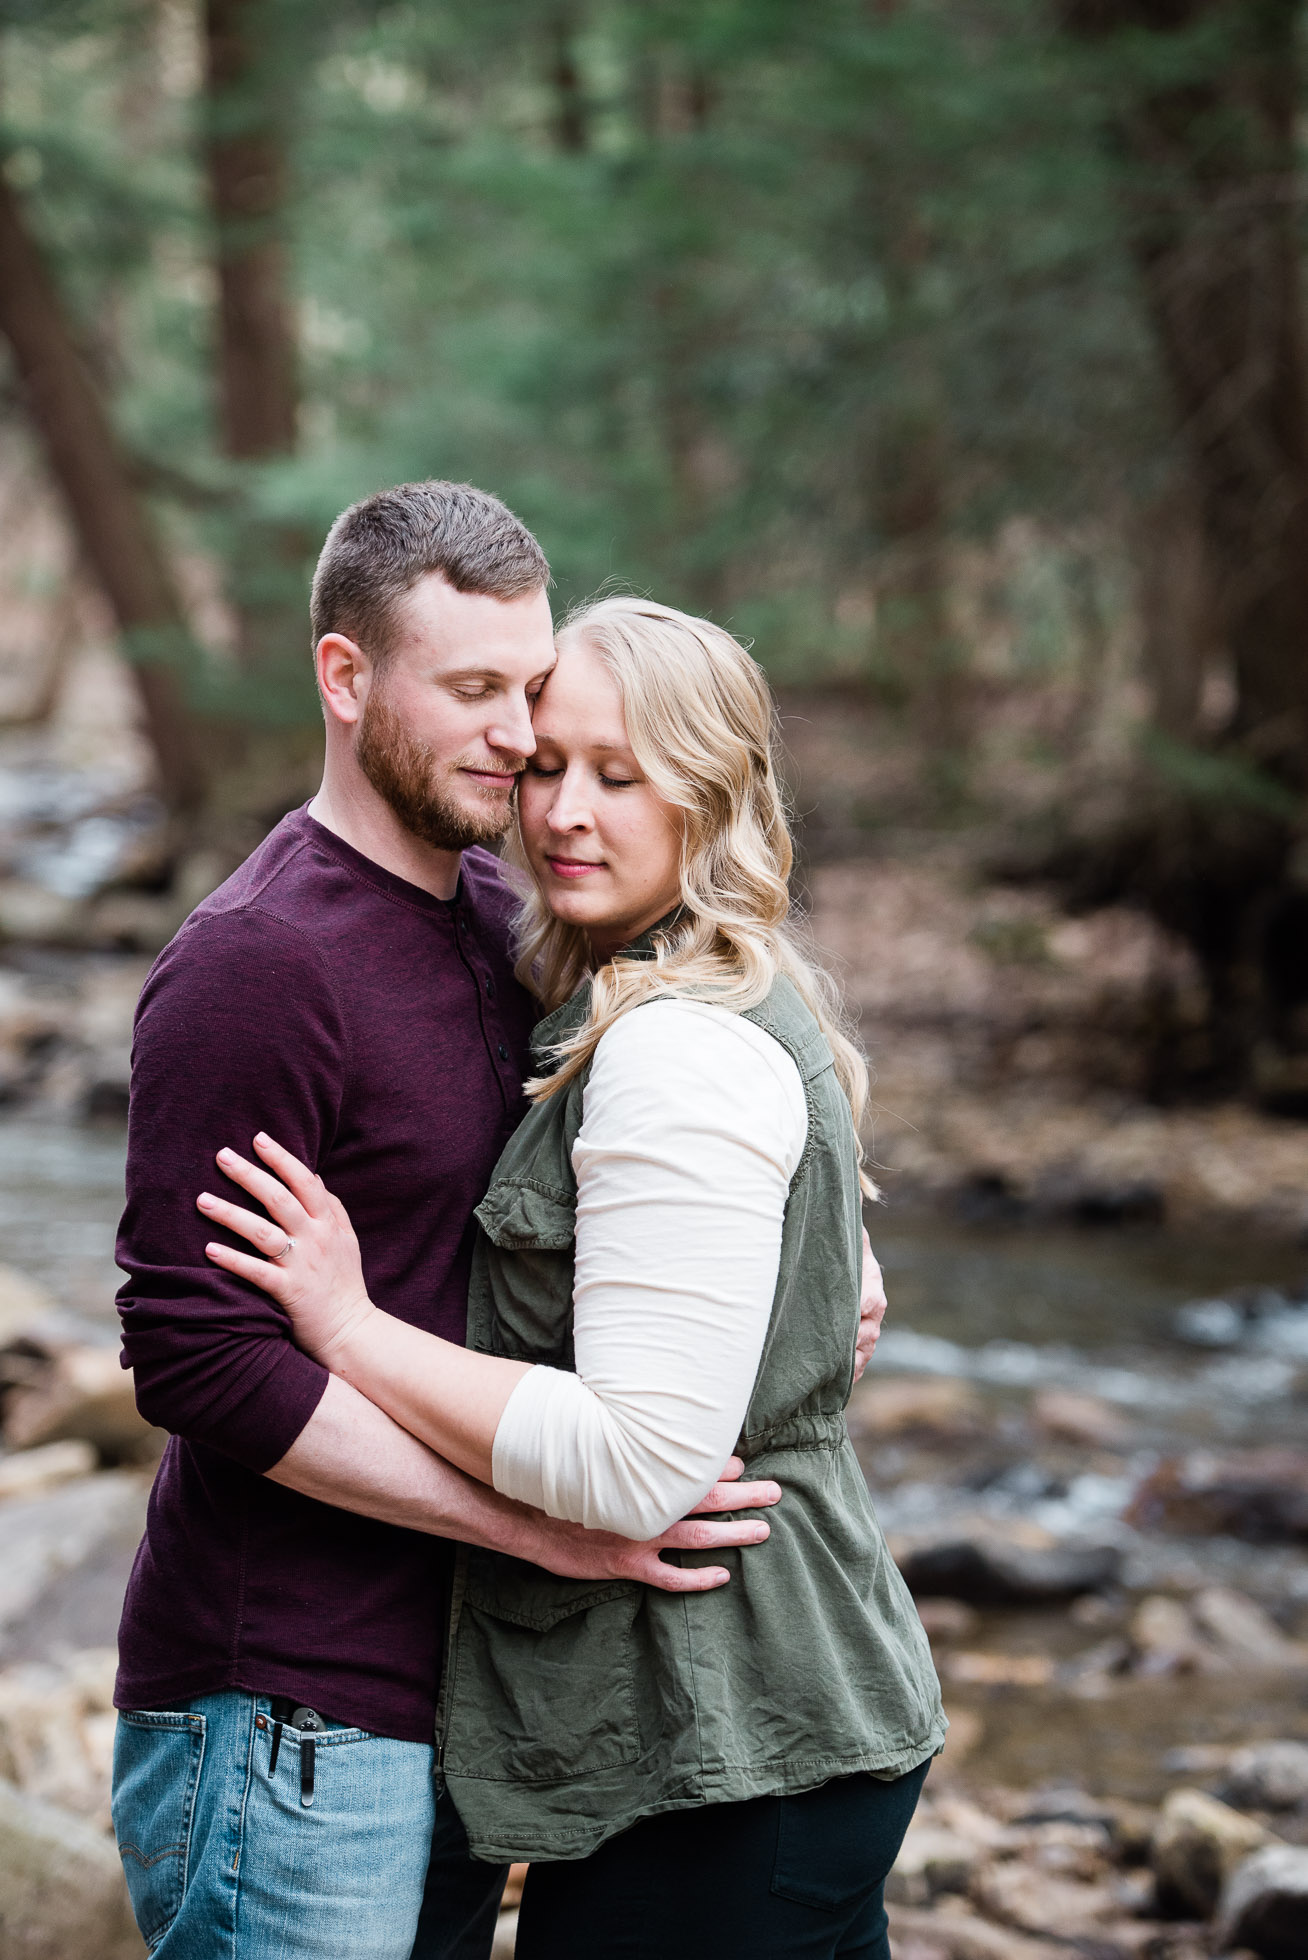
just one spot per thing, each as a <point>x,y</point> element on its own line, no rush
<point>542,1685</point>
<point>527,1217</point>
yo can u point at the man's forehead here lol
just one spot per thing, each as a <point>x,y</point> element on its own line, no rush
<point>457,629</point>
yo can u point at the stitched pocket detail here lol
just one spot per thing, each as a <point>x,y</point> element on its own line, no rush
<point>157,1761</point>
<point>542,1684</point>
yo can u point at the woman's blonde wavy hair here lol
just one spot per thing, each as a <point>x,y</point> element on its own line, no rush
<point>703,728</point>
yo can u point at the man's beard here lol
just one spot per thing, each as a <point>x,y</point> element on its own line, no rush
<point>402,771</point>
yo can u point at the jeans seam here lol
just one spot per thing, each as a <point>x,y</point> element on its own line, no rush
<point>192,1790</point>
<point>239,1859</point>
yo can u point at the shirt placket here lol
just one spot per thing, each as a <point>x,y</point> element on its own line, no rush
<point>493,1032</point>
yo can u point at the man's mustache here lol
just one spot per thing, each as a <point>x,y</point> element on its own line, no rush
<point>511,765</point>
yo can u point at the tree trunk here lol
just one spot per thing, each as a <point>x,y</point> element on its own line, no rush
<point>247,78</point>
<point>246,156</point>
<point>917,648</point>
<point>1210,195</point>
<point>571,120</point>
<point>1208,171</point>
<point>109,516</point>
<point>1176,610</point>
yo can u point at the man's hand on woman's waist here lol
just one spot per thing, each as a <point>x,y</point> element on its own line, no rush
<point>575,1553</point>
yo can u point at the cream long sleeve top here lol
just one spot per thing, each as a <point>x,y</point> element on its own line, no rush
<point>693,1123</point>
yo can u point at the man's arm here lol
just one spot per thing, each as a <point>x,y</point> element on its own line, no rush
<point>237,1017</point>
<point>351,1455</point>
<point>238,1026</point>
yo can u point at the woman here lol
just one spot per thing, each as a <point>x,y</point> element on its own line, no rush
<point>667,1268</point>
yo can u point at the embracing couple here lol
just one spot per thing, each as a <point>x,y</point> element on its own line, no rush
<point>509,1510</point>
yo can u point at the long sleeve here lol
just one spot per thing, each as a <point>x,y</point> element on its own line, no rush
<point>237,1031</point>
<point>693,1123</point>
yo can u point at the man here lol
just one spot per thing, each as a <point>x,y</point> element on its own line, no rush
<point>350,990</point>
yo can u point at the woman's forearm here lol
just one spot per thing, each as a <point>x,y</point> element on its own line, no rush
<point>447,1397</point>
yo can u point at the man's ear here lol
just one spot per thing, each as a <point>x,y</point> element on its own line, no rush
<point>344,671</point>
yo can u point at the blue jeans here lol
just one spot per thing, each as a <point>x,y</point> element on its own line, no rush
<point>225,1861</point>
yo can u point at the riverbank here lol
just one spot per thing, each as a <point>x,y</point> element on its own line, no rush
<point>1010,1048</point>
<point>1006,1041</point>
<point>1095,1492</point>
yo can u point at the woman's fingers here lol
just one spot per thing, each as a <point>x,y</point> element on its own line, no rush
<point>266,1235</point>
<point>738,1497</point>
<point>277,1201</point>
<point>308,1188</point>
<point>261,1271</point>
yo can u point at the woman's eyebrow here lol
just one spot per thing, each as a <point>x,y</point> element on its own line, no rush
<point>606,745</point>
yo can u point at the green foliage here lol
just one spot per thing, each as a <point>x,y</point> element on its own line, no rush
<point>803,284</point>
<point>1221,782</point>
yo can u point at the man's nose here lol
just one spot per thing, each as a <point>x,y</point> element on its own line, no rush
<point>512,732</point>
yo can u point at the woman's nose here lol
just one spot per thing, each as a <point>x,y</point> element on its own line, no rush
<point>570,809</point>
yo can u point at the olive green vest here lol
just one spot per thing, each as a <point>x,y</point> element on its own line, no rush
<point>570,1709</point>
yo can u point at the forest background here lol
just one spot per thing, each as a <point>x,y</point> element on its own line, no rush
<point>952,354</point>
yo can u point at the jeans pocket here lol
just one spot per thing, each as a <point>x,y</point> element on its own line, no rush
<point>157,1758</point>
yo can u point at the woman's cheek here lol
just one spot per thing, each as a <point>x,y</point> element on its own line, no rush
<point>531,815</point>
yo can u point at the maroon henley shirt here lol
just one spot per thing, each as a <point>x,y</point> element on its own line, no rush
<point>377,1032</point>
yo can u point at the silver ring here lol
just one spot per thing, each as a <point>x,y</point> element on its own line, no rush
<point>288,1247</point>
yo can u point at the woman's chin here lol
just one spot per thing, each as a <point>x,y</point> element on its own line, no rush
<point>574,908</point>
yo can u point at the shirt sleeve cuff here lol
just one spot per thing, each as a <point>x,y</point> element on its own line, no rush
<point>518,1451</point>
<point>260,1428</point>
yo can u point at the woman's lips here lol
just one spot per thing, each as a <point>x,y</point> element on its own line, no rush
<point>572,867</point>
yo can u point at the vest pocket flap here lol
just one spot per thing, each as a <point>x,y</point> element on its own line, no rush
<point>521,1216</point>
<point>525,1596</point>
<point>542,1677</point>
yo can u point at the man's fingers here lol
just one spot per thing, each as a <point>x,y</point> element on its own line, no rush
<point>308,1188</point>
<point>710,1535</point>
<point>739,1497</point>
<point>650,1569</point>
<point>874,1285</point>
<point>277,1201</point>
<point>733,1467</point>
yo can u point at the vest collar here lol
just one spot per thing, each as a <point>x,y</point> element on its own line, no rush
<point>563,1019</point>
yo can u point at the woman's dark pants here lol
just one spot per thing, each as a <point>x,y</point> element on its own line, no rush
<point>770,1879</point>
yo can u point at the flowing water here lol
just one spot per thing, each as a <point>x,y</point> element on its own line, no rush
<point>1010,1311</point>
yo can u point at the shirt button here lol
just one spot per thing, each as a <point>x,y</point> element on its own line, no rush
<point>490,989</point>
<point>504,1051</point>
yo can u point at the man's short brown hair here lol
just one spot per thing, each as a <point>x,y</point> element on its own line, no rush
<point>378,549</point>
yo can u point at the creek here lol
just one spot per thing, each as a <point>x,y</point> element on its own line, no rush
<point>1009,1310</point>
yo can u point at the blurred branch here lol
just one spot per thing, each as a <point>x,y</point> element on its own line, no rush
<point>571,114</point>
<point>109,516</point>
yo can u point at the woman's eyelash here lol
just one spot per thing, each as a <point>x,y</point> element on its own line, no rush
<point>609,782</point>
